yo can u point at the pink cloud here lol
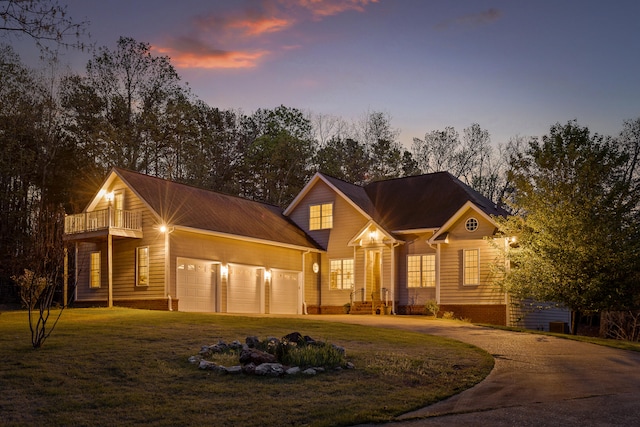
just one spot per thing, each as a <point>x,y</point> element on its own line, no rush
<point>191,53</point>
<point>324,8</point>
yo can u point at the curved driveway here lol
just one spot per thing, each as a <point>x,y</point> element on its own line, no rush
<point>537,380</point>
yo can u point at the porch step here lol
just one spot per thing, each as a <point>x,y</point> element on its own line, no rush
<point>361,307</point>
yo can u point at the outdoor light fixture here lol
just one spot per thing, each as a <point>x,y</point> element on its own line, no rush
<point>373,235</point>
<point>109,197</point>
<point>267,275</point>
<point>224,271</point>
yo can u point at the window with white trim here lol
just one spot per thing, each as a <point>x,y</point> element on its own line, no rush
<point>421,271</point>
<point>341,273</point>
<point>142,266</point>
<point>471,267</point>
<point>321,216</point>
<point>471,225</point>
<point>95,270</point>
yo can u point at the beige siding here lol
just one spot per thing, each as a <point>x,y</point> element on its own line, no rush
<point>452,290</point>
<point>415,245</point>
<point>230,251</point>
<point>347,222</point>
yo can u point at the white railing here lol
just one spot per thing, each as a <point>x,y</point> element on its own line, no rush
<point>103,219</point>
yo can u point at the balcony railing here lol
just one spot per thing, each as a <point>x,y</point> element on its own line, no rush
<point>104,219</point>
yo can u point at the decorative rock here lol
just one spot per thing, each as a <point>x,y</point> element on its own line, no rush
<point>340,350</point>
<point>309,371</point>
<point>195,359</point>
<point>309,340</point>
<point>234,369</point>
<point>350,365</point>
<point>293,371</point>
<point>249,368</point>
<point>205,364</point>
<point>235,345</point>
<point>270,369</point>
<point>295,337</point>
<point>256,357</point>
<point>252,342</point>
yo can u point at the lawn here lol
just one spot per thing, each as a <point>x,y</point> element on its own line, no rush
<point>122,367</point>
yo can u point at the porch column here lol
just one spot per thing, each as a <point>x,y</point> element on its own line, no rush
<point>110,269</point>
<point>65,277</point>
<point>438,273</point>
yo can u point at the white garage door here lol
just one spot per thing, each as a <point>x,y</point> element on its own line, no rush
<point>195,285</point>
<point>243,294</point>
<point>284,292</point>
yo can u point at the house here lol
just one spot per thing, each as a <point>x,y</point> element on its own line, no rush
<point>387,247</point>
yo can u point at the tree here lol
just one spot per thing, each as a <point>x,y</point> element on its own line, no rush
<point>120,108</point>
<point>278,152</point>
<point>577,232</point>
<point>45,21</point>
<point>345,159</point>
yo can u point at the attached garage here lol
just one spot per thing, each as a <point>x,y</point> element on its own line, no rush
<point>284,298</point>
<point>245,293</point>
<point>196,285</point>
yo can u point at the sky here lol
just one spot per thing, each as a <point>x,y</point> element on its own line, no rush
<point>515,67</point>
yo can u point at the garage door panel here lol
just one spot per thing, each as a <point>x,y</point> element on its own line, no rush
<point>244,290</point>
<point>284,292</point>
<point>195,285</point>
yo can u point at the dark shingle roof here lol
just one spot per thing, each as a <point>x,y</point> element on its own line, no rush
<point>415,202</point>
<point>183,205</point>
<point>423,201</point>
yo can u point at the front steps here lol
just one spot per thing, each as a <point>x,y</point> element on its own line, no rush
<point>367,307</point>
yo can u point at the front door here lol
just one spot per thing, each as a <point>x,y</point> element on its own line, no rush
<point>374,274</point>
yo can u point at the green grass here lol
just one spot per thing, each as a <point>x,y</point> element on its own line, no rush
<point>122,367</point>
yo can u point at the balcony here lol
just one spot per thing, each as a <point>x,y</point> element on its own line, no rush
<point>117,222</point>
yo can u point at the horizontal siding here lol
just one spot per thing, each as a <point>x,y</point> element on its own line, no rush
<point>537,315</point>
<point>452,291</point>
<point>413,296</point>
<point>230,251</point>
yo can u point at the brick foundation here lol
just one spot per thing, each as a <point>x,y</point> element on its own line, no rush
<point>494,314</point>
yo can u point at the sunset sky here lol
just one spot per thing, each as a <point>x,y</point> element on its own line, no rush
<point>513,66</point>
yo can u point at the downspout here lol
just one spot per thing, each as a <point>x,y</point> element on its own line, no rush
<point>302,286</point>
<point>75,272</point>
<point>167,269</point>
<point>393,277</point>
<point>110,269</point>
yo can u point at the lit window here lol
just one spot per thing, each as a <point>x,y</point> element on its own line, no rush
<point>321,216</point>
<point>421,271</point>
<point>142,266</point>
<point>471,267</point>
<point>471,224</point>
<point>95,272</point>
<point>341,273</point>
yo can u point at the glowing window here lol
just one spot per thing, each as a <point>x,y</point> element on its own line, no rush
<point>471,267</point>
<point>321,216</point>
<point>341,273</point>
<point>95,270</point>
<point>421,271</point>
<point>142,266</point>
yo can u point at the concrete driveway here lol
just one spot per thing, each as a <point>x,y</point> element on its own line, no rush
<point>537,380</point>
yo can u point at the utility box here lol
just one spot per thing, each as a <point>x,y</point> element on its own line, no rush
<point>559,327</point>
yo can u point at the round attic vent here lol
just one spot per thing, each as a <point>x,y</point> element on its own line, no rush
<point>471,224</point>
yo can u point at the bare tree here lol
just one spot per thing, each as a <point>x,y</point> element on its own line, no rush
<point>45,21</point>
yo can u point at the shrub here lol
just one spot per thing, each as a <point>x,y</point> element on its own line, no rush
<point>448,315</point>
<point>432,307</point>
<point>313,355</point>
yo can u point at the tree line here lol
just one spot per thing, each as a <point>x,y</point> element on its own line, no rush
<point>61,133</point>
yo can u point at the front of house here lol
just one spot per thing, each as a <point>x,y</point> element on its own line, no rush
<point>387,247</point>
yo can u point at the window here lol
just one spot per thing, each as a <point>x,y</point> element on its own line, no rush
<point>471,224</point>
<point>321,216</point>
<point>142,266</point>
<point>341,273</point>
<point>421,271</point>
<point>471,267</point>
<point>95,272</point>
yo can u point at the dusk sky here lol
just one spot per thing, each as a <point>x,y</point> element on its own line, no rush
<point>514,67</point>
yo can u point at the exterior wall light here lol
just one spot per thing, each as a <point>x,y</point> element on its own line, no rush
<point>109,197</point>
<point>224,271</point>
<point>267,276</point>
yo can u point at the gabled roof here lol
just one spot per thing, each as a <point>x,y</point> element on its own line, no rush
<point>189,207</point>
<point>411,203</point>
<point>424,201</point>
